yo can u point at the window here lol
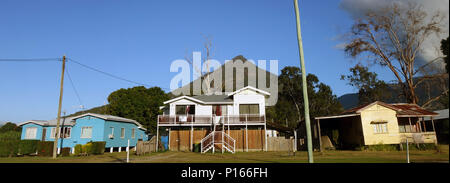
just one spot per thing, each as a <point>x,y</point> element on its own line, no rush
<point>184,109</point>
<point>122,133</point>
<point>63,133</point>
<point>379,127</point>
<point>112,131</point>
<point>249,109</point>
<point>86,132</point>
<point>30,133</point>
<point>133,131</point>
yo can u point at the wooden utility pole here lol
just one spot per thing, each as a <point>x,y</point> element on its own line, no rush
<point>304,86</point>
<point>55,145</point>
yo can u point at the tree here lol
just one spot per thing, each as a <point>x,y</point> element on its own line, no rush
<point>444,48</point>
<point>10,127</point>
<point>290,99</point>
<point>138,103</point>
<point>370,88</point>
<point>394,38</point>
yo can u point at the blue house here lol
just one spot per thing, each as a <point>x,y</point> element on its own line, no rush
<point>115,131</point>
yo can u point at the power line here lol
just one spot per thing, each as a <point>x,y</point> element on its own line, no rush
<point>74,89</point>
<point>29,59</point>
<point>109,74</point>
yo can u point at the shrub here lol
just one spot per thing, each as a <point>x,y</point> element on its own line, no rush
<point>45,148</point>
<point>86,148</point>
<point>420,147</point>
<point>98,147</point>
<point>27,147</point>
<point>197,147</point>
<point>383,147</point>
<point>78,149</point>
<point>10,135</point>
<point>65,151</point>
<point>9,148</point>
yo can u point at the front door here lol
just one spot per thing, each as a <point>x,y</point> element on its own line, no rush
<point>44,131</point>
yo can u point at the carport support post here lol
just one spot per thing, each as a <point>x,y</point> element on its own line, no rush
<point>410,125</point>
<point>191,140</point>
<point>246,134</point>
<point>157,133</point>
<point>265,134</point>
<point>320,136</point>
<point>304,86</point>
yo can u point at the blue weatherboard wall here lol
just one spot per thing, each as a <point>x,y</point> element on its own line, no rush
<point>31,125</point>
<point>117,141</point>
<point>100,132</point>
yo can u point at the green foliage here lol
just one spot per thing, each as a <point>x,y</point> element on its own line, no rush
<point>78,149</point>
<point>10,127</point>
<point>138,103</point>
<point>97,147</point>
<point>9,147</point>
<point>197,147</point>
<point>290,105</point>
<point>86,148</point>
<point>10,135</point>
<point>383,147</point>
<point>370,88</point>
<point>420,147</point>
<point>27,147</point>
<point>45,148</point>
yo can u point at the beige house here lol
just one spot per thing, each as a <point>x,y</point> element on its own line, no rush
<point>378,123</point>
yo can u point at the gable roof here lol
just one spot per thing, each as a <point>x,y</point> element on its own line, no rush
<point>68,121</point>
<point>249,88</point>
<point>402,109</point>
<point>111,118</point>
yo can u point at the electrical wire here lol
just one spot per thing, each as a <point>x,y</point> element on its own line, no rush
<point>74,88</point>
<point>29,60</point>
<point>109,74</point>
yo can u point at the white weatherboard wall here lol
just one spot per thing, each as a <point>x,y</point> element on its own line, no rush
<point>249,97</point>
<point>181,102</point>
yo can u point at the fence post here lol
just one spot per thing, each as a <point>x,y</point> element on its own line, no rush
<point>407,150</point>
<point>128,151</point>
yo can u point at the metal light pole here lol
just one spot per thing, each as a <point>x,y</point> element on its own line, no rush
<point>305,90</point>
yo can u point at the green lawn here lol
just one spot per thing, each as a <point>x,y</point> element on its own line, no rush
<point>250,157</point>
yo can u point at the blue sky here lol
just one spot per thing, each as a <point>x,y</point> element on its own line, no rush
<point>138,40</point>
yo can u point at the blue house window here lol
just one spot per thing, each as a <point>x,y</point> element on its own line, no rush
<point>86,132</point>
<point>122,133</point>
<point>30,133</point>
<point>133,131</point>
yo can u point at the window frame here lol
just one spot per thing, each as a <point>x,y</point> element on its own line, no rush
<point>27,133</point>
<point>380,128</point>
<point>122,133</point>
<point>83,130</point>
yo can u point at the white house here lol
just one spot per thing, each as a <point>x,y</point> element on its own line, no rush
<point>234,121</point>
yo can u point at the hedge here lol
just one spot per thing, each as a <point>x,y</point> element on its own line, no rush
<point>9,148</point>
<point>45,148</point>
<point>78,149</point>
<point>27,147</point>
<point>98,147</point>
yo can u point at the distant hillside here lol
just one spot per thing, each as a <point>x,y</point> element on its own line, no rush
<point>233,82</point>
<point>349,100</point>
<point>425,91</point>
<point>98,110</point>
